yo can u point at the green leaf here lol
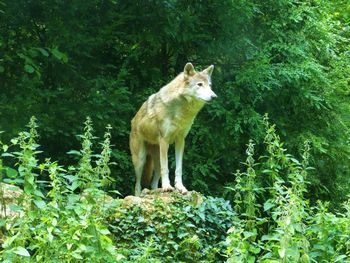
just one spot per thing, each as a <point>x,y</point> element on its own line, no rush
<point>282,252</point>
<point>74,152</point>
<point>2,69</point>
<point>201,215</point>
<point>21,251</point>
<point>29,69</point>
<point>119,257</point>
<point>43,51</point>
<point>248,234</point>
<point>82,247</point>
<point>270,237</point>
<point>268,205</point>
<point>12,173</point>
<point>77,255</point>
<point>39,203</point>
<point>339,258</point>
<point>7,155</point>
<point>15,208</point>
<point>5,147</point>
<point>104,231</point>
<point>251,259</point>
<point>2,222</point>
<point>59,55</point>
<point>39,193</point>
<point>14,141</point>
<point>305,259</point>
<point>9,241</point>
<point>74,186</point>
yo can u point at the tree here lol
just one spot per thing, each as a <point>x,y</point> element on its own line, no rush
<point>62,61</point>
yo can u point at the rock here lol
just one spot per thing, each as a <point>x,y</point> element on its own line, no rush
<point>9,195</point>
<point>148,197</point>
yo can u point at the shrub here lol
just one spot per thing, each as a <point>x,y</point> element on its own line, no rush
<point>181,231</point>
<point>67,224</point>
<point>70,217</point>
<point>284,228</point>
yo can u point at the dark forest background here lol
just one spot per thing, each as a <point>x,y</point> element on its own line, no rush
<point>65,60</point>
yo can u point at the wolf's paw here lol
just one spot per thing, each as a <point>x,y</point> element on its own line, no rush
<point>181,188</point>
<point>167,188</point>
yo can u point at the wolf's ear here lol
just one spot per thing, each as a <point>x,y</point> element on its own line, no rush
<point>189,69</point>
<point>209,70</point>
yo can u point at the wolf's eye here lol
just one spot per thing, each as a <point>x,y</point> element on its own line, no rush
<point>200,84</point>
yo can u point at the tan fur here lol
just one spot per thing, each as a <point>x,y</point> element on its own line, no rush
<point>166,117</point>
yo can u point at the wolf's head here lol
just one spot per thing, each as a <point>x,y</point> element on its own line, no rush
<point>198,84</point>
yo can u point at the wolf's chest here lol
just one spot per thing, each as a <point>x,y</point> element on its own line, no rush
<point>177,124</point>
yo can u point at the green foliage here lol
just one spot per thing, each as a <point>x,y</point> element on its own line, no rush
<point>180,231</point>
<point>103,58</point>
<point>75,220</point>
<point>27,162</point>
<point>63,225</point>
<point>287,58</point>
<point>328,234</point>
<point>288,229</point>
<point>70,218</point>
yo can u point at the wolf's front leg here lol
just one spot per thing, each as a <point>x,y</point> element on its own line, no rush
<point>179,150</point>
<point>164,170</point>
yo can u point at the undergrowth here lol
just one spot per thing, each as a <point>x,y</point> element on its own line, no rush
<point>182,231</point>
<point>67,223</point>
<point>276,222</point>
<point>66,214</point>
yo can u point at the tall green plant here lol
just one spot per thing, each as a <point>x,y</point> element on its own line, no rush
<point>27,162</point>
<point>66,227</point>
<point>242,237</point>
<point>85,172</point>
<point>103,162</point>
<point>280,234</point>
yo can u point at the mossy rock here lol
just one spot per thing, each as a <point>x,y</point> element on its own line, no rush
<point>171,227</point>
<point>149,197</point>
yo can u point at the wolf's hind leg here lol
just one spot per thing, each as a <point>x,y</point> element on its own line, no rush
<point>138,172</point>
<point>138,158</point>
<point>156,163</point>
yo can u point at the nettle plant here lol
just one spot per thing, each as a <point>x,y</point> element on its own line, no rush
<point>284,228</point>
<point>63,219</point>
<point>68,217</point>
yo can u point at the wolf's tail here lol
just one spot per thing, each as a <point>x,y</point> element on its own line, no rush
<point>147,172</point>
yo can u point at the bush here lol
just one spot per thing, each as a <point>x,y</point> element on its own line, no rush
<point>276,222</point>
<point>68,223</point>
<point>181,231</point>
<point>70,218</point>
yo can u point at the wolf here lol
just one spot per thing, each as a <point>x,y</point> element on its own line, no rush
<point>165,118</point>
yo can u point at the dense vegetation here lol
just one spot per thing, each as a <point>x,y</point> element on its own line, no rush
<point>282,74</point>
<point>70,218</point>
<point>62,61</point>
